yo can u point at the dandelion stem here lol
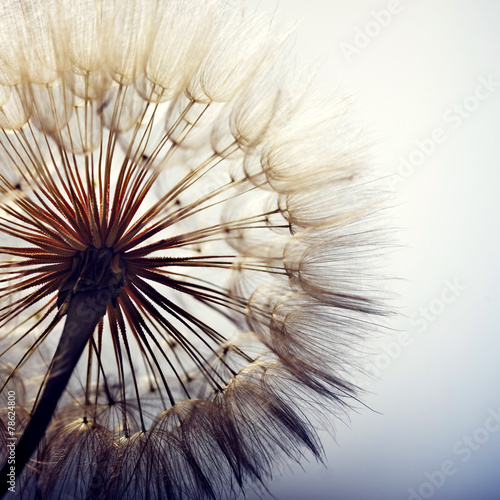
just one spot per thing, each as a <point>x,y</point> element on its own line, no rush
<point>85,310</point>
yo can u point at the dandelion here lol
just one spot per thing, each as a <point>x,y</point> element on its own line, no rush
<point>183,238</point>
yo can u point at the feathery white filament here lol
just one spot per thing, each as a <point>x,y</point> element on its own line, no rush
<point>171,133</point>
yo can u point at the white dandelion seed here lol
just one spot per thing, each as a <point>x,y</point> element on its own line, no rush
<point>186,242</point>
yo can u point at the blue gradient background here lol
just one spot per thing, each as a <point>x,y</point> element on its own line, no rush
<point>442,385</point>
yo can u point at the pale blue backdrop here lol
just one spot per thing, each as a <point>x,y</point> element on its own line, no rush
<point>427,79</point>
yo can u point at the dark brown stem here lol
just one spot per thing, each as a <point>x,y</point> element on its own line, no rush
<point>85,309</point>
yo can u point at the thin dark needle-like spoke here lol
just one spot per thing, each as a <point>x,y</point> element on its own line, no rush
<point>84,312</point>
<point>164,189</point>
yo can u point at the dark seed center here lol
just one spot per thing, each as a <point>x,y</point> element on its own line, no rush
<point>94,269</point>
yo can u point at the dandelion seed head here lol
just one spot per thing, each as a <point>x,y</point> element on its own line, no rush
<point>160,155</point>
